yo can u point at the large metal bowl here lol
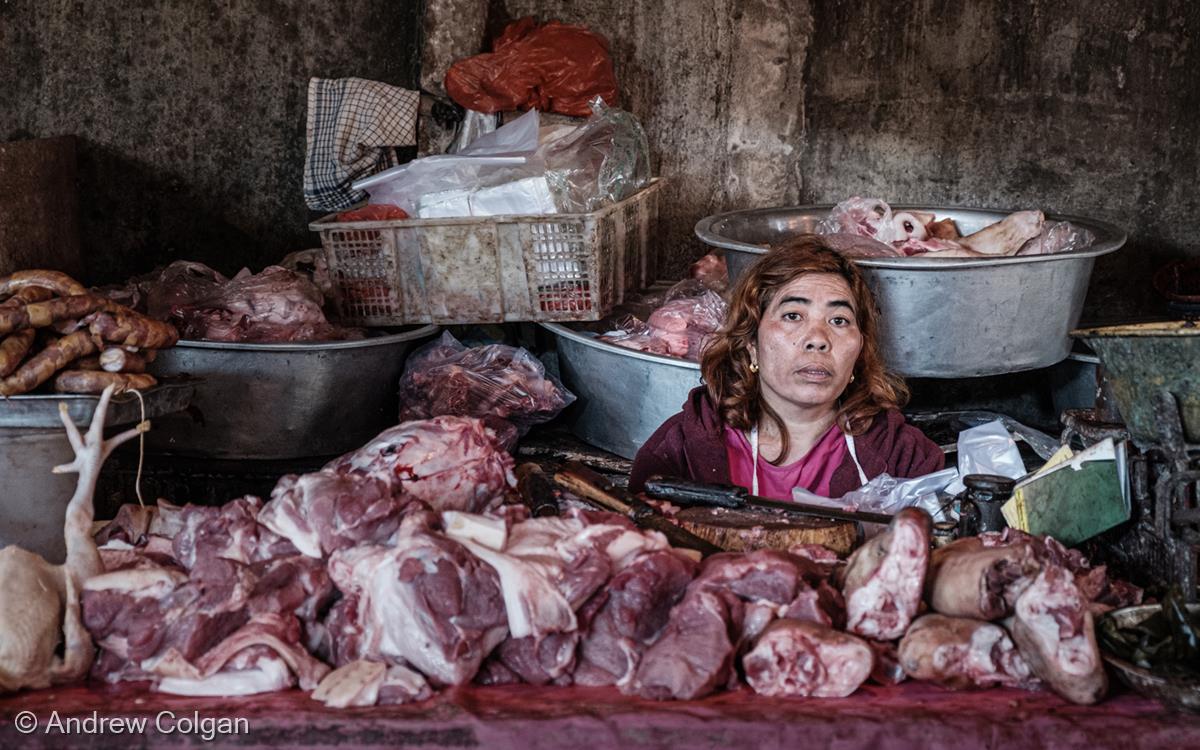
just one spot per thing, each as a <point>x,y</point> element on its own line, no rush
<point>623,395</point>
<point>953,317</point>
<point>277,401</point>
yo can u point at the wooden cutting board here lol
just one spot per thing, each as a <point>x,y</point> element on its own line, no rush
<point>743,530</point>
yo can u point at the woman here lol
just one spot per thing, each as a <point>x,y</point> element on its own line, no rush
<point>795,394</point>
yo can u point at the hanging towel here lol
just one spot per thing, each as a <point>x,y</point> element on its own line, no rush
<point>353,126</point>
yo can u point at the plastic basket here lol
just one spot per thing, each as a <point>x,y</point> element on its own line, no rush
<point>556,267</point>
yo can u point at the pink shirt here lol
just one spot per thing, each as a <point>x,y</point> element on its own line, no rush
<point>813,472</point>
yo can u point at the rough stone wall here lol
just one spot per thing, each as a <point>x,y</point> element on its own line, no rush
<point>190,115</point>
<point>1070,106</point>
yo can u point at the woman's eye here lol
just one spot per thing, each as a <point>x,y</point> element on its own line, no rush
<point>791,316</point>
<point>840,321</point>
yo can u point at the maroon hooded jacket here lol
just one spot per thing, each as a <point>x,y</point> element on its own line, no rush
<point>691,445</point>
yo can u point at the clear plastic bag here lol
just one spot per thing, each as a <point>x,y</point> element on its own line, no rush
<point>474,124</point>
<point>886,494</point>
<point>275,305</point>
<point>491,382</point>
<point>442,185</point>
<point>987,449</point>
<point>604,161</point>
<point>867,217</point>
<point>1058,237</point>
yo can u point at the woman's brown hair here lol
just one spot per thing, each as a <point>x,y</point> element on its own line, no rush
<point>725,363</point>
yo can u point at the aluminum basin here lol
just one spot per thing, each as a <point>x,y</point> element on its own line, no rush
<point>623,395</point>
<point>949,318</point>
<point>276,401</point>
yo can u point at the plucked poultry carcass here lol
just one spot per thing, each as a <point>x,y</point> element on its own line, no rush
<point>41,601</point>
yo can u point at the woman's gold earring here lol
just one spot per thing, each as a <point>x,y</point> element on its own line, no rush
<point>753,367</point>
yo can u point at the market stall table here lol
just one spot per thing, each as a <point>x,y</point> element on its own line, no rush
<point>908,715</point>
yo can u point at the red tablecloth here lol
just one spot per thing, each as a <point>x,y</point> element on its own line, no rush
<point>908,716</point>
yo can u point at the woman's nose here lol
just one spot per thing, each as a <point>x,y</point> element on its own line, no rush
<point>816,340</point>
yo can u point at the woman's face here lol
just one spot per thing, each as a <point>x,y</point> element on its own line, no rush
<point>808,341</point>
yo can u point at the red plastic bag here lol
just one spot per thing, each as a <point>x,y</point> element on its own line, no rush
<point>556,67</point>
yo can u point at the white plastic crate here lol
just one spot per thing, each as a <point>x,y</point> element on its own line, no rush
<point>556,267</point>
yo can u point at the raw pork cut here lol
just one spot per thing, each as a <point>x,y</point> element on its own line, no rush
<point>325,511</point>
<point>693,656</point>
<point>449,463</point>
<point>968,579</point>
<point>795,658</point>
<point>627,614</point>
<point>857,246</point>
<point>960,652</point>
<point>1053,627</point>
<point>884,577</point>
<point>230,531</point>
<point>371,683</point>
<point>548,568</point>
<point>733,600</point>
<point>426,602</point>
<point>1006,236</point>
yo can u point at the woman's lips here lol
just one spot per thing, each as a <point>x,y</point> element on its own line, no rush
<point>814,373</point>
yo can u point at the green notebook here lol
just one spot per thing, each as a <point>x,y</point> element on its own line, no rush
<point>1073,497</point>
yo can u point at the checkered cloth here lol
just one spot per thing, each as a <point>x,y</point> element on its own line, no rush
<point>353,125</point>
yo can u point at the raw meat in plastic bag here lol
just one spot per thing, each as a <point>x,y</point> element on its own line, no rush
<point>712,272</point>
<point>180,284</point>
<point>275,305</point>
<point>1058,237</point>
<point>555,67</point>
<point>604,160</point>
<point>868,217</point>
<point>678,328</point>
<point>490,382</point>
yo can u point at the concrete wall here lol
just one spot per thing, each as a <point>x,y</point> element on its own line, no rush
<point>1083,106</point>
<point>190,115</point>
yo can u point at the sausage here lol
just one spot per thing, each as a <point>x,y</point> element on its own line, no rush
<point>91,381</point>
<point>13,350</point>
<point>42,366</point>
<point>42,314</point>
<point>116,359</point>
<point>125,327</point>
<point>27,294</point>
<point>91,362</point>
<point>56,281</point>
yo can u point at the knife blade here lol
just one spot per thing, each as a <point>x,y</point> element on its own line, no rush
<point>687,492</point>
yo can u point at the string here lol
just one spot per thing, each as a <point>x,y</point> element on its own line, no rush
<point>137,482</point>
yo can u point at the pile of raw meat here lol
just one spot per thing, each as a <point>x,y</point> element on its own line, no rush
<point>276,305</point>
<point>691,311</point>
<point>868,228</point>
<point>399,569</point>
<point>504,385</point>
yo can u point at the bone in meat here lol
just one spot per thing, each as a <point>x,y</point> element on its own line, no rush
<point>1053,627</point>
<point>884,577</point>
<point>960,652</point>
<point>795,658</point>
<point>1006,236</point>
